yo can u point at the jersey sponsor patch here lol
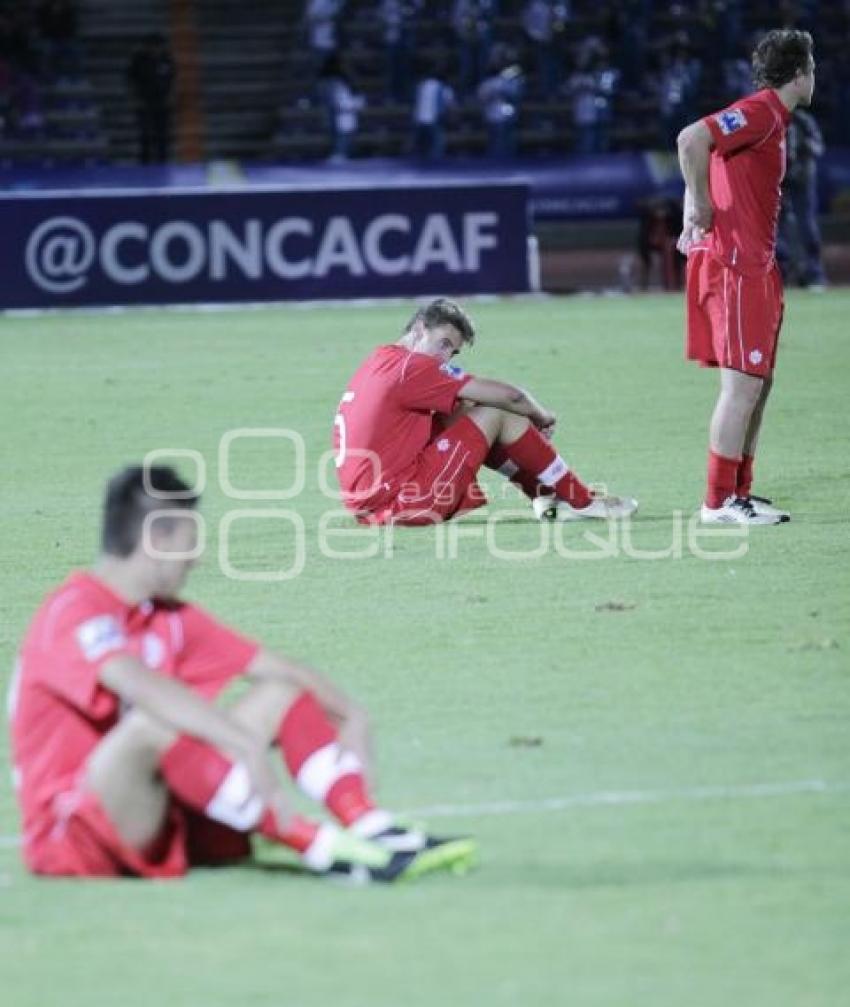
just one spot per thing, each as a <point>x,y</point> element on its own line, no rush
<point>731,121</point>
<point>100,635</point>
<point>453,371</point>
<point>153,650</point>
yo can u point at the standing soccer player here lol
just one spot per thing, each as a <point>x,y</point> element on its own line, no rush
<point>412,430</point>
<point>733,163</point>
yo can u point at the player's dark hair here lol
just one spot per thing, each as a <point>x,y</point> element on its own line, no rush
<point>444,312</point>
<point>129,500</point>
<point>779,55</point>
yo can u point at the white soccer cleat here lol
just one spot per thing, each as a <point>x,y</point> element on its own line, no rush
<point>761,505</point>
<point>602,508</point>
<point>741,510</point>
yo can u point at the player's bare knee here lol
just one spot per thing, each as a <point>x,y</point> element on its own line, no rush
<point>488,419</point>
<point>261,708</point>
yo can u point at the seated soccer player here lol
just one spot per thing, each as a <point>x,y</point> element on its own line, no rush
<point>412,431</point>
<point>125,764</point>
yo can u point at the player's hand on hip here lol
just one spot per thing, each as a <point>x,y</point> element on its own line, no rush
<point>696,225</point>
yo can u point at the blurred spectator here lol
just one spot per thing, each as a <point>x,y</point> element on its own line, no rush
<point>57,28</point>
<point>798,249</point>
<point>838,86</point>
<point>720,24</point>
<point>679,87</point>
<point>592,87</point>
<point>544,22</point>
<point>658,230</point>
<point>737,75</point>
<point>434,99</point>
<point>628,36</point>
<point>472,21</point>
<point>150,76</point>
<point>320,19</point>
<point>499,95</point>
<point>398,20</point>
<point>342,105</point>
<point>19,71</point>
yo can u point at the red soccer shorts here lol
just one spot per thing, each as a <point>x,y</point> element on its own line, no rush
<point>733,320</point>
<point>443,484</point>
<point>81,841</point>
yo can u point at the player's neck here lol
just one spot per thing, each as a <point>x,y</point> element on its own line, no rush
<point>119,576</point>
<point>788,96</point>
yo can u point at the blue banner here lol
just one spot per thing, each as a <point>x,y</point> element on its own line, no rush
<point>167,247</point>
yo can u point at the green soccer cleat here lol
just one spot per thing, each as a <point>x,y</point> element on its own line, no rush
<point>457,856</point>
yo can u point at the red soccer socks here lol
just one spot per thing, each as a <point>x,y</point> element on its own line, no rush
<point>207,781</point>
<point>745,476</point>
<point>532,453</point>
<point>322,769</point>
<point>722,479</point>
<point>498,460</point>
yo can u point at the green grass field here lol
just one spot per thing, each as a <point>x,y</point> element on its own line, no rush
<point>653,753</point>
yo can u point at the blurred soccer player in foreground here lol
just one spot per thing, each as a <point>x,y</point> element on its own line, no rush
<point>123,762</point>
<point>412,431</point>
<point>733,163</point>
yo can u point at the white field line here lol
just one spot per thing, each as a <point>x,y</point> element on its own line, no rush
<point>739,792</point>
<point>611,798</point>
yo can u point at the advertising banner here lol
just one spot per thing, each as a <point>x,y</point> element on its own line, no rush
<point>166,247</point>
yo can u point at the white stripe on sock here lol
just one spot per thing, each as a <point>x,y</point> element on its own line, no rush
<point>323,768</point>
<point>372,823</point>
<point>235,803</point>
<point>319,854</point>
<point>554,472</point>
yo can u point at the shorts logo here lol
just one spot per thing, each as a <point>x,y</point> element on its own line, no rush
<point>756,357</point>
<point>453,371</point>
<point>100,635</point>
<point>731,121</point>
<point>443,444</point>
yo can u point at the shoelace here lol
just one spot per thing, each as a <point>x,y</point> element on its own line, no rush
<point>745,504</point>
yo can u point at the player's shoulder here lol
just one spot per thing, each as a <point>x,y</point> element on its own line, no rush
<point>751,110</point>
<point>383,359</point>
<point>80,608</point>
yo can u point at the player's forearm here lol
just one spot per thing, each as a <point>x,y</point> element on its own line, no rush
<point>523,403</point>
<point>511,398</point>
<point>338,704</point>
<point>173,705</point>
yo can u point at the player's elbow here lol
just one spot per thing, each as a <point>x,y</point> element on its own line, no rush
<point>684,138</point>
<point>692,139</point>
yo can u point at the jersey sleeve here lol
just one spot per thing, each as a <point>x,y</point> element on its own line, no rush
<point>212,653</point>
<point>425,383</point>
<point>68,662</point>
<point>743,124</point>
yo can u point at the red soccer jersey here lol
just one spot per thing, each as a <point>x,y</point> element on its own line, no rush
<point>60,711</point>
<point>385,419</point>
<point>746,169</point>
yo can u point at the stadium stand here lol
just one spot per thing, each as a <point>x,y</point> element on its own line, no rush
<point>247,76</point>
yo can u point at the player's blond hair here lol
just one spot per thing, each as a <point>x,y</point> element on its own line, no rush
<point>444,312</point>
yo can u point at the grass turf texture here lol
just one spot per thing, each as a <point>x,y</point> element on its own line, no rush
<point>489,680</point>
